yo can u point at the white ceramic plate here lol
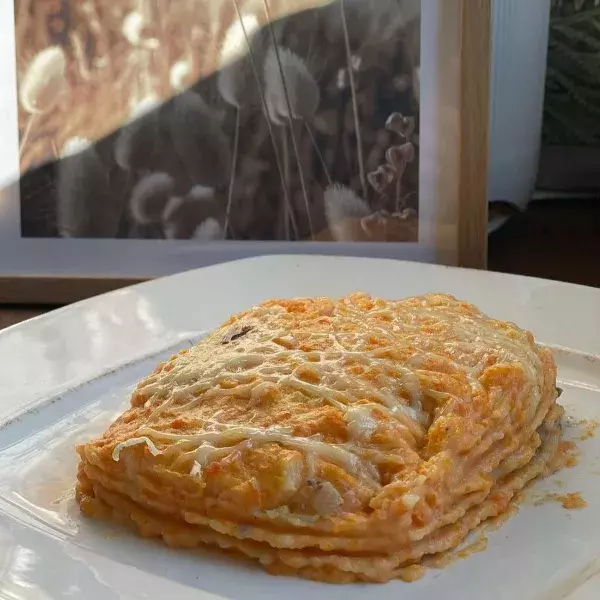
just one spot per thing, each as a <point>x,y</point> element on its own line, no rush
<point>64,375</point>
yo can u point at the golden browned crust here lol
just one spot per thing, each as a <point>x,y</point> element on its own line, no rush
<point>335,440</point>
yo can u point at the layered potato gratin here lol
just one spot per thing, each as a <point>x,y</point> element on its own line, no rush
<point>338,440</point>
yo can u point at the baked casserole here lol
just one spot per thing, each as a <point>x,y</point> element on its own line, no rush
<point>338,440</point>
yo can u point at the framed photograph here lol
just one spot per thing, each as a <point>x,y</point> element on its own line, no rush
<point>146,137</point>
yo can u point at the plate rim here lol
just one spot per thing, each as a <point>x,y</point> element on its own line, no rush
<point>149,284</point>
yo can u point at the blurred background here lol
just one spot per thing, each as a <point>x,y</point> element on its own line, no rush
<point>145,119</point>
<point>558,236</point>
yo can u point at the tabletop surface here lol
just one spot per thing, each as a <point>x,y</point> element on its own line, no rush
<point>11,315</point>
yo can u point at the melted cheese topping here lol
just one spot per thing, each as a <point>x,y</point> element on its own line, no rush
<point>136,441</point>
<point>373,361</point>
<point>218,444</point>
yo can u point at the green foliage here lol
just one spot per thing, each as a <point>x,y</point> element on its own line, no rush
<point>572,105</point>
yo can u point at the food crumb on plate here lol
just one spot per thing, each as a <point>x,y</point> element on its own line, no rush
<point>571,501</point>
<point>588,429</point>
<point>567,456</point>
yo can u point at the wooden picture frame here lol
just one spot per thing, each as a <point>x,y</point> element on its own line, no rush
<point>455,42</point>
<point>474,107</point>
